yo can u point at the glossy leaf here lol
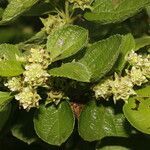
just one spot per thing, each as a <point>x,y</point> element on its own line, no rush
<point>54,124</point>
<point>98,121</point>
<point>111,11</point>
<point>4,115</point>
<point>137,113</point>
<point>66,42</point>
<point>5,98</point>
<point>16,8</point>
<point>9,66</point>
<point>73,70</point>
<point>101,56</point>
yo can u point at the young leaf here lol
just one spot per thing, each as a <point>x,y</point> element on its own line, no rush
<point>137,112</point>
<point>73,70</point>
<point>9,66</point>
<point>142,42</point>
<point>127,44</point>
<point>66,42</point>
<point>5,98</point>
<point>98,121</point>
<point>54,124</point>
<point>144,92</point>
<point>16,8</point>
<point>111,11</point>
<point>23,129</point>
<point>4,115</point>
<point>101,56</point>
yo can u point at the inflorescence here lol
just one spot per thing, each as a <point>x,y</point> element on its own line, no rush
<point>35,75</point>
<point>123,87</point>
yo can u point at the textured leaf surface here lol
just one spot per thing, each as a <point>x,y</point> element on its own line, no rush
<point>66,42</point>
<point>4,115</point>
<point>5,98</point>
<point>23,129</point>
<point>9,66</point>
<point>101,56</point>
<point>142,42</point>
<point>16,8</point>
<point>97,121</point>
<point>127,44</point>
<point>54,124</point>
<point>110,11</point>
<point>137,113</point>
<point>74,70</point>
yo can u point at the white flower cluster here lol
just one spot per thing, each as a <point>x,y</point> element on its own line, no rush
<point>122,87</point>
<point>35,75</point>
<point>53,23</point>
<point>82,4</point>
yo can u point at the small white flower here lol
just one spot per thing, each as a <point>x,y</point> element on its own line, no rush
<point>82,4</point>
<point>28,98</point>
<point>137,77</point>
<point>14,84</point>
<point>122,88</point>
<point>103,90</point>
<point>35,75</point>
<point>134,59</point>
<point>39,56</point>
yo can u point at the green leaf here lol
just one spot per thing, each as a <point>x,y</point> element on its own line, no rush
<point>1,12</point>
<point>66,42</point>
<point>127,44</point>
<point>23,129</point>
<point>113,147</point>
<point>54,124</point>
<point>16,8</point>
<point>144,92</point>
<point>9,66</point>
<point>137,112</point>
<point>142,42</point>
<point>101,56</point>
<point>5,98</point>
<point>111,11</point>
<point>4,115</point>
<point>98,121</point>
<point>73,70</point>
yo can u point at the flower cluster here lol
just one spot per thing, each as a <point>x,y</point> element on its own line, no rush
<point>53,23</point>
<point>122,87</point>
<point>83,4</point>
<point>35,75</point>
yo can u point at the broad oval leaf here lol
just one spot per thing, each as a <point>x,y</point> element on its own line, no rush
<point>16,8</point>
<point>4,115</point>
<point>66,41</point>
<point>137,112</point>
<point>101,56</point>
<point>111,11</point>
<point>54,124</point>
<point>98,121</point>
<point>74,70</point>
<point>9,66</point>
<point>5,98</point>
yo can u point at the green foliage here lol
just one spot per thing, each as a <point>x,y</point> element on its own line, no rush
<point>98,121</point>
<point>66,42</point>
<point>54,124</point>
<point>16,8</point>
<point>5,98</point>
<point>137,110</point>
<point>9,66</point>
<point>111,11</point>
<point>55,54</point>
<point>4,115</point>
